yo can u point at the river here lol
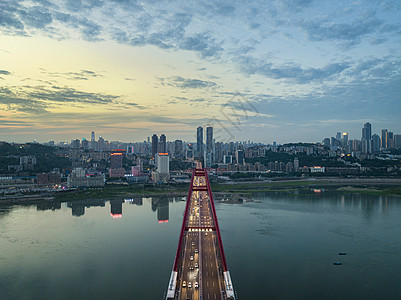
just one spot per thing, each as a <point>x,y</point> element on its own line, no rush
<point>278,246</point>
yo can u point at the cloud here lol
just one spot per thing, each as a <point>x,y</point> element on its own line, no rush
<point>4,72</point>
<point>350,33</point>
<point>186,83</point>
<point>202,43</point>
<point>14,123</point>
<point>135,105</point>
<point>37,17</point>
<point>293,72</point>
<point>39,99</point>
<point>8,16</point>
<point>361,97</point>
<point>14,102</point>
<point>82,75</point>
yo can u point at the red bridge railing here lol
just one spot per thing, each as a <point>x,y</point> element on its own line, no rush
<point>216,223</point>
<point>184,222</point>
<point>202,173</point>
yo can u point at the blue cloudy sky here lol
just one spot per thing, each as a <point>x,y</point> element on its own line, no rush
<point>285,71</point>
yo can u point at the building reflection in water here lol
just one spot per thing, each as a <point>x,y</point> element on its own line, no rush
<point>367,203</point>
<point>48,206</point>
<point>134,201</point>
<point>78,207</point>
<point>116,209</point>
<point>161,206</point>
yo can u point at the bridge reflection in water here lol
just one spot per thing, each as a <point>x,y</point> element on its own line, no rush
<point>200,268</point>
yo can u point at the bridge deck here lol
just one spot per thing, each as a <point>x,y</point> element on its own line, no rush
<point>200,269</point>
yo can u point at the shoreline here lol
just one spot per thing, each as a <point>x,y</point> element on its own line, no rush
<point>241,189</point>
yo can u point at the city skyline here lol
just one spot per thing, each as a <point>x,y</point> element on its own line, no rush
<point>158,146</point>
<point>284,71</point>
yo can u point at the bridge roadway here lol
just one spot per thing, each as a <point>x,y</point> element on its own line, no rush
<point>200,270</point>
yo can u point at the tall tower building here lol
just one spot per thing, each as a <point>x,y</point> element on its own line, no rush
<point>390,140</point>
<point>345,139</point>
<point>367,138</point>
<point>375,143</point>
<point>101,144</point>
<point>209,146</point>
<point>199,141</point>
<point>162,144</point>
<point>155,142</point>
<point>162,172</point>
<point>163,163</point>
<point>92,143</point>
<point>178,149</point>
<point>367,131</point>
<point>116,160</point>
<point>296,163</point>
<point>240,157</point>
<point>384,140</point>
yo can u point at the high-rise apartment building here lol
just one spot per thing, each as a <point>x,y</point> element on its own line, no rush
<point>366,140</point>
<point>367,131</point>
<point>376,143</point>
<point>390,142</point>
<point>178,149</point>
<point>162,172</point>
<point>155,142</point>
<point>101,144</point>
<point>397,141</point>
<point>85,144</point>
<point>209,146</point>
<point>116,160</point>
<point>345,139</point>
<point>163,163</point>
<point>75,144</point>
<point>162,144</point>
<point>384,140</point>
<point>199,142</point>
<point>240,157</point>
<point>296,163</point>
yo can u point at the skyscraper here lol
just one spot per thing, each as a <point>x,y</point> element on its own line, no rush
<point>239,157</point>
<point>375,143</point>
<point>162,172</point>
<point>155,142</point>
<point>162,144</point>
<point>101,144</point>
<point>199,142</point>
<point>116,160</point>
<point>384,140</point>
<point>178,149</point>
<point>163,163</point>
<point>209,146</point>
<point>345,139</point>
<point>93,136</point>
<point>390,140</point>
<point>367,131</point>
<point>367,138</point>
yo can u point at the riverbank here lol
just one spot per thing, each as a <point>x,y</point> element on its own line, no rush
<point>374,186</point>
<point>242,191</point>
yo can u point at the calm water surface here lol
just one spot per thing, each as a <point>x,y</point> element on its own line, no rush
<point>280,246</point>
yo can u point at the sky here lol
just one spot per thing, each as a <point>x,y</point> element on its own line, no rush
<point>284,71</point>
